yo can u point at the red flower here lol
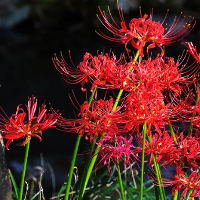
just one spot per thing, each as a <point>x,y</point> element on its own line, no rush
<point>192,50</point>
<point>98,69</point>
<point>182,182</point>
<point>17,126</point>
<point>186,151</point>
<point>159,74</point>
<point>114,149</point>
<point>145,105</point>
<point>160,146</point>
<point>95,120</point>
<point>142,30</point>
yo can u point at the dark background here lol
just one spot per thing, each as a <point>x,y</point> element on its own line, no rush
<point>31,31</point>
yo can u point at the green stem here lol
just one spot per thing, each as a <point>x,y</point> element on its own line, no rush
<point>117,100</point>
<point>24,170</point>
<point>86,168</point>
<point>74,155</point>
<point>92,96</point>
<point>158,173</point>
<point>175,195</point>
<point>87,176</point>
<point>156,192</point>
<point>190,125</point>
<point>189,194</point>
<point>120,181</point>
<point>142,162</point>
<point>157,170</point>
<point>172,131</point>
<point>72,168</point>
<point>14,184</point>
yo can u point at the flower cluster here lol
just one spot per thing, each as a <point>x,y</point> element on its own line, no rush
<point>158,93</point>
<point>144,30</point>
<point>118,148</point>
<point>25,124</point>
<point>95,120</point>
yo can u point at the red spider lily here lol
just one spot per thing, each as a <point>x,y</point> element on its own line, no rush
<point>192,50</point>
<point>160,146</point>
<point>97,119</point>
<point>142,30</point>
<point>162,74</point>
<point>103,70</point>
<point>114,149</point>
<point>146,106</point>
<point>193,109</point>
<point>181,182</point>
<point>186,150</point>
<point>17,126</point>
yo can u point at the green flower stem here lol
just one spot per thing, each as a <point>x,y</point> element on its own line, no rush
<point>177,193</point>
<point>190,125</point>
<point>75,154</point>
<point>86,169</point>
<point>24,171</point>
<point>157,170</point>
<point>120,181</point>
<point>189,194</point>
<point>159,178</point>
<point>156,192</point>
<point>14,184</point>
<point>117,100</point>
<point>92,96</point>
<point>87,176</point>
<point>134,60</point>
<point>72,168</point>
<point>142,162</point>
<point>172,131</point>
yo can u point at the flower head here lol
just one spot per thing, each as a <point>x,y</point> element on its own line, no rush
<point>192,50</point>
<point>186,151</point>
<point>160,145</point>
<point>103,70</point>
<point>114,149</point>
<point>185,183</point>
<point>94,120</point>
<point>144,30</point>
<point>20,126</point>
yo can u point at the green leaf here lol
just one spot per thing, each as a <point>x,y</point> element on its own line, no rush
<point>33,197</point>
<point>14,194</point>
<point>100,177</point>
<point>129,192</point>
<point>14,185</point>
<point>62,191</point>
<point>108,189</point>
<point>149,188</point>
<point>91,191</point>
